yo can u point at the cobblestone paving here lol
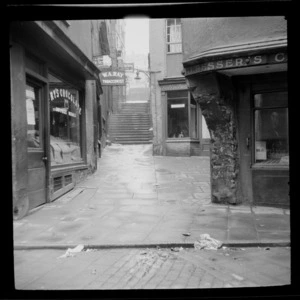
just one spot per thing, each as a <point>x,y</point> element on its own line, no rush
<point>152,268</point>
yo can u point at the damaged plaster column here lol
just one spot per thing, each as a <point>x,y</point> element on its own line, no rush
<point>214,94</point>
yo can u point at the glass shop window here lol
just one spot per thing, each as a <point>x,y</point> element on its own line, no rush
<point>33,116</point>
<point>174,39</point>
<point>178,117</point>
<point>194,118</point>
<point>65,122</point>
<point>271,128</point>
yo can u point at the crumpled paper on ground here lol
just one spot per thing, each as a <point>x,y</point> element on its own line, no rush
<point>207,242</point>
<point>72,251</point>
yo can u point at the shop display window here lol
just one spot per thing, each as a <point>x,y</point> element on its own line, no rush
<point>65,123</point>
<point>181,123</point>
<point>271,128</point>
<point>33,116</point>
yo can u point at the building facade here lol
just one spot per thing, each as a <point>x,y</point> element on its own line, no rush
<point>236,70</point>
<point>178,126</point>
<point>55,90</point>
<point>108,50</point>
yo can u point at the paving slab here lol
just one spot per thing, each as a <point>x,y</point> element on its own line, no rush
<point>136,198</point>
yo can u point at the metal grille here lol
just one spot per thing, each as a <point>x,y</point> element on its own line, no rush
<point>57,183</point>
<point>68,179</point>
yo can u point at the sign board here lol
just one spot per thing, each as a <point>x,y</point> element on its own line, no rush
<point>112,78</point>
<point>260,150</point>
<point>177,105</point>
<point>129,67</point>
<point>30,111</point>
<point>102,61</point>
<point>237,62</point>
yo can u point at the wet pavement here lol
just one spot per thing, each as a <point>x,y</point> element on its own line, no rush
<point>135,199</point>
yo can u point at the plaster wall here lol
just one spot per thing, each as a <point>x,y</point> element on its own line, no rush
<point>201,34</point>
<point>80,33</point>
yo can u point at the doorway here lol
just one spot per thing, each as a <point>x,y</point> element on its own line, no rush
<point>36,142</point>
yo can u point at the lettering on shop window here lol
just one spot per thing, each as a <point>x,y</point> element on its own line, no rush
<point>65,94</point>
<point>238,62</point>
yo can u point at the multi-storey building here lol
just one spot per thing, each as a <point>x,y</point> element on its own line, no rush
<point>178,126</point>
<point>236,69</point>
<point>55,89</point>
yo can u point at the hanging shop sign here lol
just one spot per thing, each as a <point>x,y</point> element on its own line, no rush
<point>112,78</point>
<point>129,67</point>
<point>102,61</point>
<point>237,62</point>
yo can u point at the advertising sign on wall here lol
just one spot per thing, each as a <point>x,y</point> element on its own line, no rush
<point>112,78</point>
<point>129,67</point>
<point>102,61</point>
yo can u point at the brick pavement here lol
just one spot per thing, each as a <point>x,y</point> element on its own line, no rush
<point>116,269</point>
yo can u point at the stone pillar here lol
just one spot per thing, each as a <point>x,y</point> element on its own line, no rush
<point>214,94</point>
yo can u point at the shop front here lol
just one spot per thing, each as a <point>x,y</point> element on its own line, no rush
<point>184,131</point>
<point>243,94</point>
<point>54,90</point>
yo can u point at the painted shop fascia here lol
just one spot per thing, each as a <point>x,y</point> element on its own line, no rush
<point>211,78</point>
<point>54,90</point>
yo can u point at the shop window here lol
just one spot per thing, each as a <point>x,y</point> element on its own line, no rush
<point>181,122</point>
<point>194,119</point>
<point>65,122</point>
<point>174,39</point>
<point>33,116</point>
<point>271,128</point>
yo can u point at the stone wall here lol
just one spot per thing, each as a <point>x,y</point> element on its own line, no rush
<point>214,94</point>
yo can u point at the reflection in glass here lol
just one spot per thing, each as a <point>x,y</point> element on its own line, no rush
<point>33,118</point>
<point>178,114</point>
<point>65,123</point>
<point>271,129</point>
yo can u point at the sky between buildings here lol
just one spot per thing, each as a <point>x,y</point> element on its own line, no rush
<point>137,36</point>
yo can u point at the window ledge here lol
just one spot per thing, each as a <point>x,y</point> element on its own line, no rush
<point>182,140</point>
<point>170,53</point>
<point>270,167</point>
<point>63,168</point>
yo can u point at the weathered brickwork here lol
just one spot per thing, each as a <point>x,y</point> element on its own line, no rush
<point>215,101</point>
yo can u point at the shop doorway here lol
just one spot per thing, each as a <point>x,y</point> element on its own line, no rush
<point>36,142</point>
<point>264,140</point>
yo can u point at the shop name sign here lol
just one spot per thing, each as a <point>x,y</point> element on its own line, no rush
<point>112,78</point>
<point>238,62</point>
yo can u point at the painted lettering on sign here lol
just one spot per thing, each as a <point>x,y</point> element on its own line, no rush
<point>237,63</point>
<point>112,78</point>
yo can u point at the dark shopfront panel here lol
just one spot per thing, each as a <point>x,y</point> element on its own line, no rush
<point>264,139</point>
<point>49,119</point>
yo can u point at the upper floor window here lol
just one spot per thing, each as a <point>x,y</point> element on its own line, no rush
<point>174,39</point>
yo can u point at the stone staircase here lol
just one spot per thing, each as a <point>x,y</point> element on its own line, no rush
<point>131,124</point>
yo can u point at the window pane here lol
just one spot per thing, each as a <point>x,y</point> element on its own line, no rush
<point>178,118</point>
<point>278,99</point>
<point>194,125</point>
<point>65,123</point>
<point>170,22</point>
<point>33,117</point>
<point>271,136</point>
<point>205,131</point>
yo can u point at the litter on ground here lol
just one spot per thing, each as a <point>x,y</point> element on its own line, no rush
<point>72,251</point>
<point>207,242</point>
